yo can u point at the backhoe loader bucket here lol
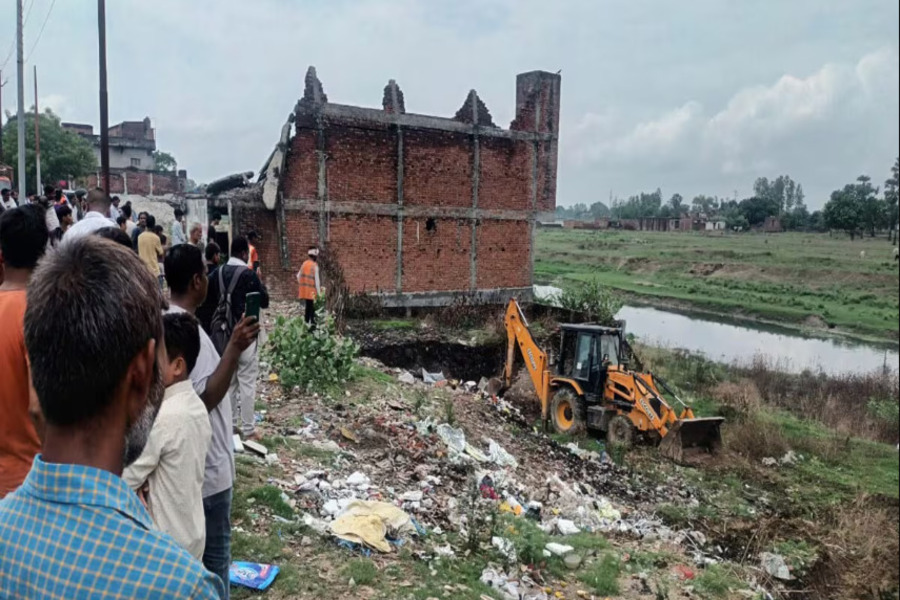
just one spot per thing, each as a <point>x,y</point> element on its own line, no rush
<point>701,435</point>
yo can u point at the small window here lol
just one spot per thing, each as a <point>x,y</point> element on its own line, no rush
<point>135,162</point>
<point>430,225</point>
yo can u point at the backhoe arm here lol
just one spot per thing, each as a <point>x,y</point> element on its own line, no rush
<point>517,333</point>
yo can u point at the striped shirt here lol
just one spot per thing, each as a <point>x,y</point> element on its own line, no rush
<point>77,532</point>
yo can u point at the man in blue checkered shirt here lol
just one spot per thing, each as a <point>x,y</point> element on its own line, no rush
<point>74,529</point>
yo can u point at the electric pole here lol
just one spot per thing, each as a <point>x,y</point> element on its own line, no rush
<point>2,83</point>
<point>20,113</point>
<point>37,137</point>
<point>104,101</point>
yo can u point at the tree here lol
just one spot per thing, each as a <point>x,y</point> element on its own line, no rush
<point>871,207</point>
<point>704,205</point>
<point>164,161</point>
<point>64,155</point>
<point>842,211</point>
<point>892,196</point>
<point>783,191</point>
<point>676,203</point>
<point>758,208</point>
<point>599,210</point>
<point>640,206</point>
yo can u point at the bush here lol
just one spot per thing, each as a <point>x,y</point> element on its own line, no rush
<point>310,359</point>
<point>591,299</point>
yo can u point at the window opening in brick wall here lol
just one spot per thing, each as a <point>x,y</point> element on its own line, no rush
<point>430,225</point>
<point>135,162</point>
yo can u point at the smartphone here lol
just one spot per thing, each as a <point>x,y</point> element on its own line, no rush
<point>252,309</point>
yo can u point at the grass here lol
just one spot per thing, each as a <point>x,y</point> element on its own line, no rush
<point>789,277</point>
<point>361,571</point>
<point>270,496</point>
<point>393,324</point>
<point>716,581</point>
<point>602,576</point>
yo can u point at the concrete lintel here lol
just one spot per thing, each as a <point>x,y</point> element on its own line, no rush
<point>446,298</point>
<point>414,212</point>
<point>358,116</point>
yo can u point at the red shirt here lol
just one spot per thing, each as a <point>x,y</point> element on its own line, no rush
<point>19,441</point>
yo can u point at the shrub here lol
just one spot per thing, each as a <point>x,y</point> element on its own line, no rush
<point>593,300</point>
<point>310,359</point>
<point>603,576</point>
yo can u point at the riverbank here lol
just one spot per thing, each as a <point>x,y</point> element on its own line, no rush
<point>805,281</point>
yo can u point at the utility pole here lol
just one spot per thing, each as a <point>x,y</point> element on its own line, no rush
<point>37,137</point>
<point>20,113</point>
<point>2,83</point>
<point>104,100</point>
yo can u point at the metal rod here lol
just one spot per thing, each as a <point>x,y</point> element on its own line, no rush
<point>104,101</point>
<point>2,83</point>
<point>37,138</point>
<point>20,113</point>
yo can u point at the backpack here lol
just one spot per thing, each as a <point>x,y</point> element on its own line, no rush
<point>223,320</point>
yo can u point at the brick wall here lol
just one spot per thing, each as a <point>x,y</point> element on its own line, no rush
<point>395,193</point>
<point>143,183</point>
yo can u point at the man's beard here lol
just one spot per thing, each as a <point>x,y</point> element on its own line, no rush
<point>137,435</point>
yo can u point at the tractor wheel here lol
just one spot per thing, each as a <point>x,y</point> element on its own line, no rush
<point>565,411</point>
<point>621,431</point>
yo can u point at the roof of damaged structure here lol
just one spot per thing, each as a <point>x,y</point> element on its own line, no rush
<point>472,117</point>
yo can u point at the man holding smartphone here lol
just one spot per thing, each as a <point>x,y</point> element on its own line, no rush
<point>248,296</point>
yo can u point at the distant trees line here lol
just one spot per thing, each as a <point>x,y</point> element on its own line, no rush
<point>856,208</point>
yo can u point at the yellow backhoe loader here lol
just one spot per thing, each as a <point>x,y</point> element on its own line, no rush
<point>592,388</point>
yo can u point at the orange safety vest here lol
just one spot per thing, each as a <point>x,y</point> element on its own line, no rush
<point>307,281</point>
<point>254,256</point>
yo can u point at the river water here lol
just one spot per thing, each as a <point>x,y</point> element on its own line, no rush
<point>740,342</point>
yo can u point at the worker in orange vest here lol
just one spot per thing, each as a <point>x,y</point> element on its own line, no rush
<point>253,239</point>
<point>310,287</point>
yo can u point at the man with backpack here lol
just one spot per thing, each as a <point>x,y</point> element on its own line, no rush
<point>228,289</point>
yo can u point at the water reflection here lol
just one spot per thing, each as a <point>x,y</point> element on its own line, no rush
<point>728,342</point>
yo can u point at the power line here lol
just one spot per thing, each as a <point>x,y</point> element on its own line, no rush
<point>41,32</point>
<point>13,43</point>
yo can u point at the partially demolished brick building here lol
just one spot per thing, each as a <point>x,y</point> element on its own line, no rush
<point>417,209</point>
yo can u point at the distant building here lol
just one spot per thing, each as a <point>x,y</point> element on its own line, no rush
<point>715,225</point>
<point>131,163</point>
<point>131,143</point>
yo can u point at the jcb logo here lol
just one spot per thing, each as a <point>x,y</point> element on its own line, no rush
<point>531,358</point>
<point>646,407</point>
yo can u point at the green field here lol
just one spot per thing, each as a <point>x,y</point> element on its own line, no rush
<point>808,280</point>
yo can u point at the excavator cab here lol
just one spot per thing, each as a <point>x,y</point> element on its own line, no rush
<point>586,352</point>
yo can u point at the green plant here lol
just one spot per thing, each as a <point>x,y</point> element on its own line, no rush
<point>270,496</point>
<point>716,582</point>
<point>603,575</point>
<point>361,570</point>
<point>449,412</point>
<point>591,298</point>
<point>617,452</point>
<point>310,359</point>
<point>886,410</point>
<point>799,555</point>
<point>420,398</point>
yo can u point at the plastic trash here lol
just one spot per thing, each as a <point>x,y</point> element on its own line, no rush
<point>444,551</point>
<point>567,527</point>
<point>774,565</point>
<point>252,575</point>
<point>358,479</point>
<point>499,456</point>
<point>505,547</point>
<point>558,549</point>
<point>508,590</point>
<point>318,525</point>
<point>407,378</point>
<point>607,511</point>
<point>454,438</point>
<point>411,496</point>
<point>432,378</point>
<point>486,487</point>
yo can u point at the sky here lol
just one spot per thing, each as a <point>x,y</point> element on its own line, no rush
<point>693,97</point>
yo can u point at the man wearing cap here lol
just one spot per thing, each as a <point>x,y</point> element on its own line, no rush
<point>310,287</point>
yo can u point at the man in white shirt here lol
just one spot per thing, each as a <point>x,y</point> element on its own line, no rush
<point>178,234</point>
<point>96,218</point>
<point>6,199</point>
<point>172,463</point>
<point>211,377</point>
<point>114,211</point>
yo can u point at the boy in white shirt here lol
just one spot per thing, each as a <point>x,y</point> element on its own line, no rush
<point>173,462</point>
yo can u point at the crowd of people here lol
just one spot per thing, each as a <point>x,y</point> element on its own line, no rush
<point>119,399</point>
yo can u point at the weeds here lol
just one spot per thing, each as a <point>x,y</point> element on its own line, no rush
<point>603,575</point>
<point>449,412</point>
<point>361,571</point>
<point>310,359</point>
<point>716,581</point>
<point>420,399</point>
<point>271,496</point>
